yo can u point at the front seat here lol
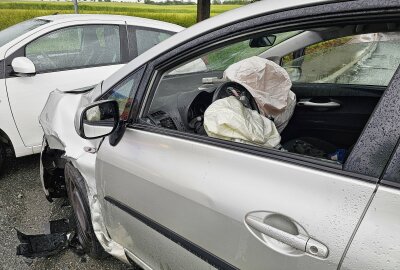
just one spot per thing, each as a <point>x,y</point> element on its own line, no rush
<point>112,51</point>
<point>92,51</point>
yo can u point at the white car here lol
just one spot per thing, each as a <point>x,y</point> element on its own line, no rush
<point>62,52</point>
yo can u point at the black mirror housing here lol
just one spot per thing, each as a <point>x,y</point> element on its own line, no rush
<point>98,119</point>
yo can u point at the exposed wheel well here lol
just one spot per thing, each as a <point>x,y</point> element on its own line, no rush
<point>4,139</point>
<point>53,172</point>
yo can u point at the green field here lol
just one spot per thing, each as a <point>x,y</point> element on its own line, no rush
<point>184,15</point>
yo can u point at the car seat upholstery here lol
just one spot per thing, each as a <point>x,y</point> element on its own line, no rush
<point>111,53</point>
<point>91,49</point>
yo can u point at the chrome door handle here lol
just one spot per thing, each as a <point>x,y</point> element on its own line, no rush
<point>307,103</point>
<point>300,242</point>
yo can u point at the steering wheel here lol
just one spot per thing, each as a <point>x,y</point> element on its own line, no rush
<point>237,90</point>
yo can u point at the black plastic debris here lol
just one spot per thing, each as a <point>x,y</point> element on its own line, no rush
<point>58,226</point>
<point>57,238</point>
<point>41,245</point>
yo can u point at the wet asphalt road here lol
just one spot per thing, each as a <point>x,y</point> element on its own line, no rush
<point>23,206</point>
<point>369,70</point>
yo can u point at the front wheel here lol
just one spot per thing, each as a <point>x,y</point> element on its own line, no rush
<point>2,156</point>
<point>79,201</point>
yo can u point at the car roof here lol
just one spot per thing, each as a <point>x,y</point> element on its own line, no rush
<point>226,18</point>
<point>131,20</point>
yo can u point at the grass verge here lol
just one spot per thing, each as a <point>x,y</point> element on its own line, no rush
<point>184,15</point>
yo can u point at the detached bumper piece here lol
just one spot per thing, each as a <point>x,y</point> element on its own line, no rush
<point>58,238</point>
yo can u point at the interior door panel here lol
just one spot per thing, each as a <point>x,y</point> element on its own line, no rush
<point>341,124</point>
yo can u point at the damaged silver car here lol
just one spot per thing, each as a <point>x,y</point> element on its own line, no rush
<point>264,138</point>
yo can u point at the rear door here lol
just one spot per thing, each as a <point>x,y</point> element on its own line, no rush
<point>68,58</point>
<point>376,245</point>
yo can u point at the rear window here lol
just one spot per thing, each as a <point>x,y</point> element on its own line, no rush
<point>19,29</point>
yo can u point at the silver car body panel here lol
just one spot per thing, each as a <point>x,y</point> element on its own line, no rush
<point>376,244</point>
<point>212,200</point>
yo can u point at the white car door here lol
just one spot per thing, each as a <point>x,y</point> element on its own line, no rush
<point>68,58</point>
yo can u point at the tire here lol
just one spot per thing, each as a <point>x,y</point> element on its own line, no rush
<point>2,156</point>
<point>79,201</point>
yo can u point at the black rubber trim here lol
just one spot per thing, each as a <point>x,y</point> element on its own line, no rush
<point>2,69</point>
<point>132,42</point>
<point>391,175</point>
<point>180,240</point>
<point>388,183</point>
<point>124,47</point>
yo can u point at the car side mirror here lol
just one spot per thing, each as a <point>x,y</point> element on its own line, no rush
<point>294,73</point>
<point>23,67</point>
<point>98,119</point>
<point>261,42</point>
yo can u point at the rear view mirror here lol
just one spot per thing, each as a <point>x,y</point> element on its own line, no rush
<point>23,67</point>
<point>261,42</point>
<point>98,119</point>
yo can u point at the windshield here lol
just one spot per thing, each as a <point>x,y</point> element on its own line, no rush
<point>19,29</point>
<point>220,59</point>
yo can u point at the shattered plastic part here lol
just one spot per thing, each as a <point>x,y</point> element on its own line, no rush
<point>58,226</point>
<point>58,126</point>
<point>41,245</point>
<point>56,239</point>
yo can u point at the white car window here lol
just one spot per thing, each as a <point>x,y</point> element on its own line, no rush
<point>367,59</point>
<point>147,38</point>
<point>76,47</point>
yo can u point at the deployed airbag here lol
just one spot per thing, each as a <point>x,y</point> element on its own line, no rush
<point>270,86</point>
<point>228,119</point>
